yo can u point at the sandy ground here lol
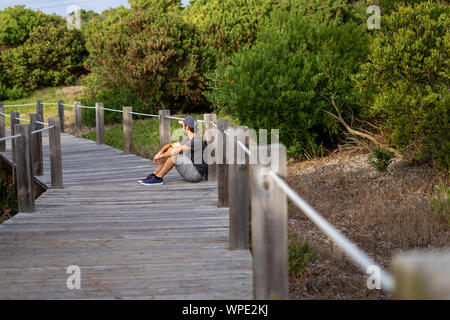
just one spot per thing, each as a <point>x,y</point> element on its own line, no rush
<point>383,213</point>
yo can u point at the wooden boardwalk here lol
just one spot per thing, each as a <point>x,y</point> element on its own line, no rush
<point>130,241</point>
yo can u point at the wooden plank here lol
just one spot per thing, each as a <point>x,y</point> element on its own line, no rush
<point>61,115</point>
<point>238,184</point>
<point>35,145</point>
<point>269,227</point>
<point>138,242</point>
<point>39,155</point>
<point>164,127</point>
<point>422,275</point>
<point>210,136</point>
<point>100,122</point>
<point>127,130</point>
<point>77,114</point>
<point>2,128</point>
<point>222,167</point>
<point>14,121</point>
<point>55,154</point>
<point>24,168</point>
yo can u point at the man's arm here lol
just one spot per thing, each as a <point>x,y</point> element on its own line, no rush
<point>168,150</point>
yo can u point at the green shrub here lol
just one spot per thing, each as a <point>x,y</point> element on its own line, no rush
<point>442,203</point>
<point>405,81</point>
<point>380,159</point>
<point>155,56</point>
<point>112,99</point>
<point>299,257</point>
<point>40,51</point>
<point>288,77</point>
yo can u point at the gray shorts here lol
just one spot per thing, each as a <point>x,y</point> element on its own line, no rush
<point>186,168</point>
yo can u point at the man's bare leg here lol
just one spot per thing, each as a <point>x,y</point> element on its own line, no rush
<point>168,165</point>
<point>160,166</point>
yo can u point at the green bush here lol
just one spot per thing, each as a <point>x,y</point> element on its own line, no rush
<point>40,51</point>
<point>405,81</point>
<point>299,257</point>
<point>289,76</point>
<point>112,99</point>
<point>380,159</point>
<point>442,203</point>
<point>155,56</point>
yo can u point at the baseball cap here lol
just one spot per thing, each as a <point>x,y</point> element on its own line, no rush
<point>189,121</point>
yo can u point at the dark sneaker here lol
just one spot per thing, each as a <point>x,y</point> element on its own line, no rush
<point>152,181</point>
<point>149,176</point>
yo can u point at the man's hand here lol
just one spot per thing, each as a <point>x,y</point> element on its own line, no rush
<point>157,158</point>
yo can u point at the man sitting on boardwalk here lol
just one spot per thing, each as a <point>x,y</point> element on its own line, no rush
<point>186,156</point>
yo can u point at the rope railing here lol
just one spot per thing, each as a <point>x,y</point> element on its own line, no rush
<point>349,248</point>
<point>40,130</point>
<point>10,137</point>
<point>19,105</point>
<point>22,119</point>
<point>43,123</point>
<point>174,118</point>
<point>113,110</point>
<point>144,114</point>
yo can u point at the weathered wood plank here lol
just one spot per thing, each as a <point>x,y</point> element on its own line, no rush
<point>131,241</point>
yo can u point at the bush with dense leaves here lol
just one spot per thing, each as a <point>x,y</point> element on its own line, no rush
<point>297,65</point>
<point>38,51</point>
<point>406,79</point>
<point>155,56</point>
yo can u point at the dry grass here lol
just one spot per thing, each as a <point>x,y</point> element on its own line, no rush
<point>382,212</point>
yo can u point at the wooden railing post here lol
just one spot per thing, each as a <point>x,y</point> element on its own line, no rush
<point>422,276</point>
<point>164,127</point>
<point>39,157</point>
<point>24,168</point>
<point>14,121</point>
<point>77,114</point>
<point>2,128</point>
<point>210,136</point>
<point>269,227</point>
<point>36,151</point>
<point>127,130</point>
<point>55,153</point>
<point>100,122</point>
<point>238,195</point>
<point>40,109</point>
<point>222,167</point>
<point>61,114</point>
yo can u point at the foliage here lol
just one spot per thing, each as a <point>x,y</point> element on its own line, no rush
<point>8,200</point>
<point>442,204</point>
<point>380,159</point>
<point>40,51</point>
<point>299,257</point>
<point>159,5</point>
<point>288,77</point>
<point>145,135</point>
<point>405,81</point>
<point>112,99</point>
<point>18,24</point>
<point>229,25</point>
<point>156,57</point>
